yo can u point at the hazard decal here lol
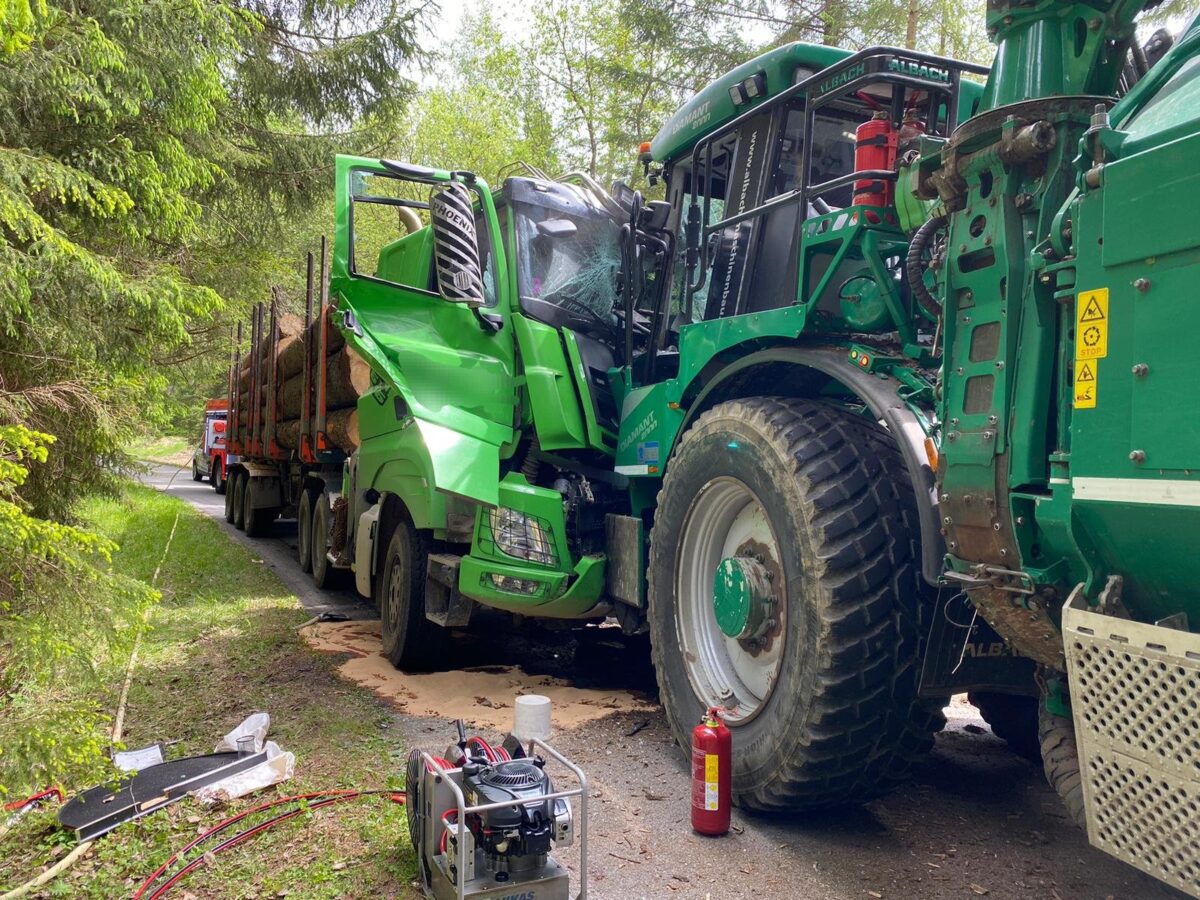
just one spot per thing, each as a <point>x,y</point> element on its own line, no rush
<point>1085,384</point>
<point>1091,325</point>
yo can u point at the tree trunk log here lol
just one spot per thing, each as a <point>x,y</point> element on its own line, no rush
<point>349,378</point>
<point>341,427</point>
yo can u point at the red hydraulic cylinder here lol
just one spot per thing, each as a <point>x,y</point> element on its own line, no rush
<point>712,762</point>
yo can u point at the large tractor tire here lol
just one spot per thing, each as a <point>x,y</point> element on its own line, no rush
<point>785,589</point>
<point>304,535</point>
<point>1060,759</point>
<point>239,500</point>
<point>1013,719</point>
<point>410,641</point>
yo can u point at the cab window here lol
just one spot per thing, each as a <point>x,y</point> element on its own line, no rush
<point>389,240</point>
<point>568,260</point>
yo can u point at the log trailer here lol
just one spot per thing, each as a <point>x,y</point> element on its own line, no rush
<point>872,408</point>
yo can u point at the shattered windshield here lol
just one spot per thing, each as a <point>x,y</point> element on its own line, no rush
<point>568,262</point>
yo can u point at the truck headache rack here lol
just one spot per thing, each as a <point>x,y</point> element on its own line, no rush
<point>1136,705</point>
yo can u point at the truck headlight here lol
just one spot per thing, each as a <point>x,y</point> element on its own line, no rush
<point>522,536</point>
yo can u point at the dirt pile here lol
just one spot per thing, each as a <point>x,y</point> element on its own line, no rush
<point>481,695</point>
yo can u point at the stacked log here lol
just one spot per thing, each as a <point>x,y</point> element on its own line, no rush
<point>348,377</point>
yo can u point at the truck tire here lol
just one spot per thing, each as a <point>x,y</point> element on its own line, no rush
<point>325,574</point>
<point>1013,718</point>
<point>1060,759</point>
<point>304,535</point>
<point>196,476</point>
<point>256,520</point>
<point>410,641</point>
<point>239,500</point>
<point>813,505</point>
<point>217,478</point>
<point>229,497</point>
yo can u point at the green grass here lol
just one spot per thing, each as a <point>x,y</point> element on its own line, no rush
<point>223,644</point>
<point>175,450</point>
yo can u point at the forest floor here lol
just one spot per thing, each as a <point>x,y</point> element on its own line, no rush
<point>223,643</point>
<point>975,821</point>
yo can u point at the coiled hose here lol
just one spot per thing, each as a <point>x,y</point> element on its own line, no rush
<point>914,268</point>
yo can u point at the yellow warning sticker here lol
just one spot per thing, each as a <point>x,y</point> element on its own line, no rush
<point>1085,384</point>
<point>712,767</point>
<point>1091,325</point>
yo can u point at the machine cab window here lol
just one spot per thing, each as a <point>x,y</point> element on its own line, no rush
<point>744,192</point>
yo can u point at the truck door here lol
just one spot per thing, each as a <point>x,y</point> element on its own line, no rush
<point>455,363</point>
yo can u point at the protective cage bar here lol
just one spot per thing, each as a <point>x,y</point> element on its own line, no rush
<point>581,792</point>
<point>1136,709</point>
<point>702,152</point>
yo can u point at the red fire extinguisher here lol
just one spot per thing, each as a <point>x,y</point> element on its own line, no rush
<point>874,148</point>
<point>712,760</point>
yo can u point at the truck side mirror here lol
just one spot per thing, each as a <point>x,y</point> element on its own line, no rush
<point>456,245</point>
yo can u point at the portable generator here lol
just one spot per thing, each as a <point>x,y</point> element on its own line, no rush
<point>483,821</point>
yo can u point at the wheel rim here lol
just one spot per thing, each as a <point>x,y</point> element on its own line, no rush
<point>727,528</point>
<point>395,595</point>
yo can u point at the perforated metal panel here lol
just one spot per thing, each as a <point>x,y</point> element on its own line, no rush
<point>1135,697</point>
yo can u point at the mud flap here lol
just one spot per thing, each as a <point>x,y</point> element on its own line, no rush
<point>964,653</point>
<point>444,603</point>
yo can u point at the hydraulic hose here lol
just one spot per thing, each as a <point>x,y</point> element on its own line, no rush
<point>914,269</point>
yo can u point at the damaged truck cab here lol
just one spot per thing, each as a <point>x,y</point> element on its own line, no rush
<point>709,417</point>
<point>447,428</point>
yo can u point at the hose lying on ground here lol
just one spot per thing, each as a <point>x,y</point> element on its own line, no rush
<point>323,798</point>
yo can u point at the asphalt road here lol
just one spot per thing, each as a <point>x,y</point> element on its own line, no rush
<point>976,820</point>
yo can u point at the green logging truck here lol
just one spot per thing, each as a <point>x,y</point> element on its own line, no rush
<point>882,392</point>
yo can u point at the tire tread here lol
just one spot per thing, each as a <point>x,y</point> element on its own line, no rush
<point>866,725</point>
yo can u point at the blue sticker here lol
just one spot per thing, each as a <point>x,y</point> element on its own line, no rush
<point>647,452</point>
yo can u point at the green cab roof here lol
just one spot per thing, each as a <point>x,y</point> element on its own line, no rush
<point>712,106</point>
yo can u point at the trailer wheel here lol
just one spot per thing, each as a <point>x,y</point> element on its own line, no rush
<point>324,573</point>
<point>1013,718</point>
<point>217,478</point>
<point>239,500</point>
<point>304,536</point>
<point>410,641</point>
<point>784,589</point>
<point>256,520</point>
<point>1060,759</point>
<point>196,476</point>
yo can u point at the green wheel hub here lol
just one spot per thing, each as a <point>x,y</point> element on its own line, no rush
<point>743,601</point>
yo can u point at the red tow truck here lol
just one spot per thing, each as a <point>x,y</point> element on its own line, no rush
<point>211,459</point>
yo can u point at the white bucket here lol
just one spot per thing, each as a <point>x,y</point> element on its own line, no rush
<point>531,718</point>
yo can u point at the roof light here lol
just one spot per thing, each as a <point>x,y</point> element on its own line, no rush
<point>755,86</point>
<point>752,88</point>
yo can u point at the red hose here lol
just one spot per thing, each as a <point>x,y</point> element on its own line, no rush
<point>331,797</point>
